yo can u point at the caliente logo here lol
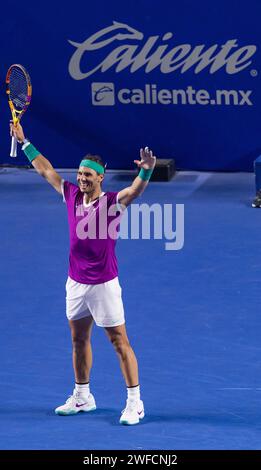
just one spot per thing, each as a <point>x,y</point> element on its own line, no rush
<point>131,50</point>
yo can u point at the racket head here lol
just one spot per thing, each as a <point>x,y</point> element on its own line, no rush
<point>19,90</point>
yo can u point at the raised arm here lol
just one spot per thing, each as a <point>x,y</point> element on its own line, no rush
<point>146,164</point>
<point>40,163</point>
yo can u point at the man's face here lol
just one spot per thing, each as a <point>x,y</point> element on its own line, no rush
<point>88,180</point>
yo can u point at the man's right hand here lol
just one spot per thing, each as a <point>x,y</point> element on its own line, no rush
<point>17,131</point>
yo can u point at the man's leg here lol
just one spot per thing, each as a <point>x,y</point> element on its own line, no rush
<point>128,362</point>
<point>134,410</point>
<point>82,399</point>
<point>82,350</point>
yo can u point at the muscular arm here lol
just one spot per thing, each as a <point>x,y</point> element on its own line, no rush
<point>45,169</point>
<point>148,161</point>
<point>40,163</point>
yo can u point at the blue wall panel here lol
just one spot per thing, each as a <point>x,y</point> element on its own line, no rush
<point>111,77</point>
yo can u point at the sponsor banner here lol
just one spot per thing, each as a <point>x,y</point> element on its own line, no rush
<point>104,94</point>
<point>112,79</point>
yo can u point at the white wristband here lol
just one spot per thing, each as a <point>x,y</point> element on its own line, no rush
<point>25,144</point>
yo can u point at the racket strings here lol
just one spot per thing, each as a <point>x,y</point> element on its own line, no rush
<point>18,88</point>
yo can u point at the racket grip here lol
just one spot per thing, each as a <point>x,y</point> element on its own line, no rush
<point>13,152</point>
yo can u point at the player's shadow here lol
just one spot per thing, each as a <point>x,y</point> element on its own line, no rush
<point>100,414</point>
<point>110,415</point>
<point>224,419</point>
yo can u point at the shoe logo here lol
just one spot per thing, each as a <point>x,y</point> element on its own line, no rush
<point>140,412</point>
<point>78,406</point>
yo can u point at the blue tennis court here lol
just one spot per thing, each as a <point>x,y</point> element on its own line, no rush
<point>193,318</point>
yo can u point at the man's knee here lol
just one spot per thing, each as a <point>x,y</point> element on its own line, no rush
<point>79,341</point>
<point>121,345</point>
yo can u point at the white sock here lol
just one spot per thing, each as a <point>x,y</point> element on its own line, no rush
<point>83,389</point>
<point>133,393</point>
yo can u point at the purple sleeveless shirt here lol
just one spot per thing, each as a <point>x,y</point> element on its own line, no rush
<point>93,234</point>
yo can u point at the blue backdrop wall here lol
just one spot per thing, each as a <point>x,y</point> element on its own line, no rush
<point>111,77</point>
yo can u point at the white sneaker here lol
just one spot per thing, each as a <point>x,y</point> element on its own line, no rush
<point>133,412</point>
<point>75,404</point>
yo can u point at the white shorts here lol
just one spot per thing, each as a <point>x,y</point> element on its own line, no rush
<point>102,301</point>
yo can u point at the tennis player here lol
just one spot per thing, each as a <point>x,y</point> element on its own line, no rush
<point>93,292</point>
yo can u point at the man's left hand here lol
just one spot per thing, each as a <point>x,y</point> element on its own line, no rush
<point>147,159</point>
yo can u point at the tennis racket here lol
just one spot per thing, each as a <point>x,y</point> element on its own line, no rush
<point>19,92</point>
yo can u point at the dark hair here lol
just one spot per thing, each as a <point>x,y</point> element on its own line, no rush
<point>95,158</point>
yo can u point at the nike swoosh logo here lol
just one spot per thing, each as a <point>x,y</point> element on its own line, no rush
<point>139,412</point>
<point>78,406</point>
